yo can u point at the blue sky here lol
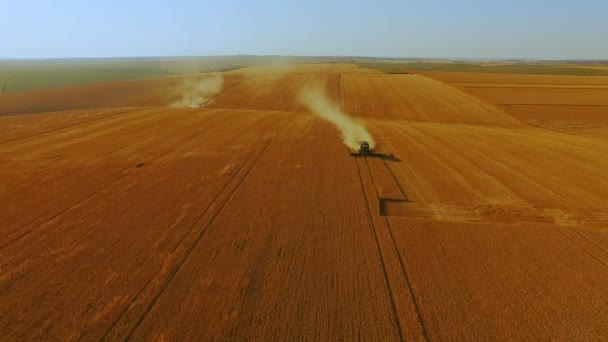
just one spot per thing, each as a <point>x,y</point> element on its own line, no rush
<point>430,28</point>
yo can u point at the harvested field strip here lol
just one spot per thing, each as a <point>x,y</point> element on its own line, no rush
<point>80,150</point>
<point>588,152</point>
<point>530,85</point>
<point>386,183</point>
<point>481,188</point>
<point>116,147</point>
<point>460,77</point>
<point>416,98</point>
<point>81,132</point>
<point>426,158</point>
<point>533,96</point>
<point>386,277</point>
<point>274,92</point>
<point>395,273</point>
<point>554,177</point>
<point>559,103</point>
<point>17,126</point>
<point>490,212</point>
<point>550,152</point>
<point>447,152</point>
<point>69,125</point>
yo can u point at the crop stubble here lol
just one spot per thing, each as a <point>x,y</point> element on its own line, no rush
<point>249,219</point>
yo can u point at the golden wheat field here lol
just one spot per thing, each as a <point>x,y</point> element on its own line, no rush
<point>126,216</point>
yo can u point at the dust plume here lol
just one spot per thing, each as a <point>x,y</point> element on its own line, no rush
<point>352,131</point>
<point>198,92</point>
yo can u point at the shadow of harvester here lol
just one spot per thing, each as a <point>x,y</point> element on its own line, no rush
<point>384,156</point>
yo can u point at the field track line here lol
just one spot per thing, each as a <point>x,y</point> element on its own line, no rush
<point>408,282</point>
<point>395,179</point>
<point>401,262</point>
<point>591,241</point>
<point>386,280</point>
<point>95,192</point>
<point>580,245</point>
<point>255,159</point>
<point>182,259</point>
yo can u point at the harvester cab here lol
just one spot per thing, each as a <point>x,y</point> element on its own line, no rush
<point>364,148</point>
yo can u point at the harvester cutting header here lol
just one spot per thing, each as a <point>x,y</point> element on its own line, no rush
<point>366,151</point>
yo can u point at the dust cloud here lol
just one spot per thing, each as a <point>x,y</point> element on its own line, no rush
<point>352,131</point>
<point>198,92</point>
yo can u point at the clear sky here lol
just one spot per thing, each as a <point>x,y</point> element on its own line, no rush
<point>545,29</point>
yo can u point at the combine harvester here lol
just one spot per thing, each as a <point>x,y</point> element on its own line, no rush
<point>366,151</point>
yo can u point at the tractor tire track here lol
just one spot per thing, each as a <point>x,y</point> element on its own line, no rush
<point>121,331</point>
<point>399,257</point>
<point>389,289</point>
